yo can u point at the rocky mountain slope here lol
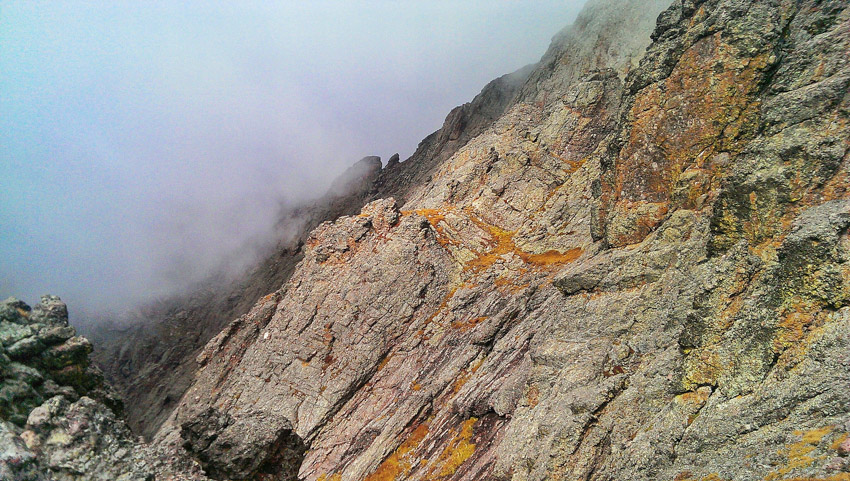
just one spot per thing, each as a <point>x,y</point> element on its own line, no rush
<point>149,354</point>
<point>636,272</point>
<point>630,261</point>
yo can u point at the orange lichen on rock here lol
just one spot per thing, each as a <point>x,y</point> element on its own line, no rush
<point>838,441</point>
<point>502,243</point>
<point>401,461</point>
<point>442,306</point>
<point>269,297</point>
<point>459,449</point>
<point>464,376</point>
<point>533,395</point>
<point>694,397</point>
<point>384,361</point>
<point>572,165</point>
<point>799,453</point>
<point>834,477</point>
<point>552,257</point>
<point>460,381</point>
<point>798,326</point>
<point>434,216</point>
<point>467,325</point>
<point>703,367</point>
<point>706,105</point>
<point>792,326</point>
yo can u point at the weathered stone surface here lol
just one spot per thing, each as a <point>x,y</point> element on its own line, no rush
<point>83,440</point>
<point>58,421</point>
<point>50,311</point>
<point>25,348</point>
<point>10,333</point>
<point>16,461</point>
<point>322,336</point>
<point>56,334</point>
<point>636,271</point>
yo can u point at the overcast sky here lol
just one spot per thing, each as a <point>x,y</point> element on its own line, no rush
<point>144,143</point>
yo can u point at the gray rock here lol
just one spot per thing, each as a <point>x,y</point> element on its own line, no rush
<point>25,348</point>
<point>52,389</point>
<point>16,461</point>
<point>11,333</point>
<point>56,334</point>
<point>17,398</point>
<point>393,160</point>
<point>67,437</point>
<point>73,351</point>
<point>611,265</point>
<point>25,373</point>
<point>51,311</point>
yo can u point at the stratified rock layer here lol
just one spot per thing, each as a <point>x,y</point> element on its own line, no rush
<point>638,271</point>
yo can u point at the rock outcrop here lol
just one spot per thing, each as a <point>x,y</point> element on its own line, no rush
<point>59,421</point>
<point>638,270</point>
<point>42,357</point>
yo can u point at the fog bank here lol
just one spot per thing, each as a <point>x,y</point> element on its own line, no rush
<point>145,145</point>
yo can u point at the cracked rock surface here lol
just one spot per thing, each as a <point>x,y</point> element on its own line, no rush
<point>58,419</point>
<point>630,261</point>
<point>638,271</point>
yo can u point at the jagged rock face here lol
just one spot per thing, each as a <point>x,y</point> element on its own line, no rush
<point>307,385</point>
<point>41,357</point>
<point>633,273</point>
<point>723,104</point>
<point>462,124</point>
<point>81,440</point>
<point>358,177</point>
<point>58,420</point>
<point>50,427</point>
<point>149,356</point>
<point>608,34</point>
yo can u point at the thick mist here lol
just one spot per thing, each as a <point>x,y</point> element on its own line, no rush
<point>145,145</point>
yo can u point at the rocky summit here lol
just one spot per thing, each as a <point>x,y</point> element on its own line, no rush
<point>629,261</point>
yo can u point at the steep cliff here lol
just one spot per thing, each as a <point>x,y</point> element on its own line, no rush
<point>149,354</point>
<point>629,261</point>
<point>638,271</point>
